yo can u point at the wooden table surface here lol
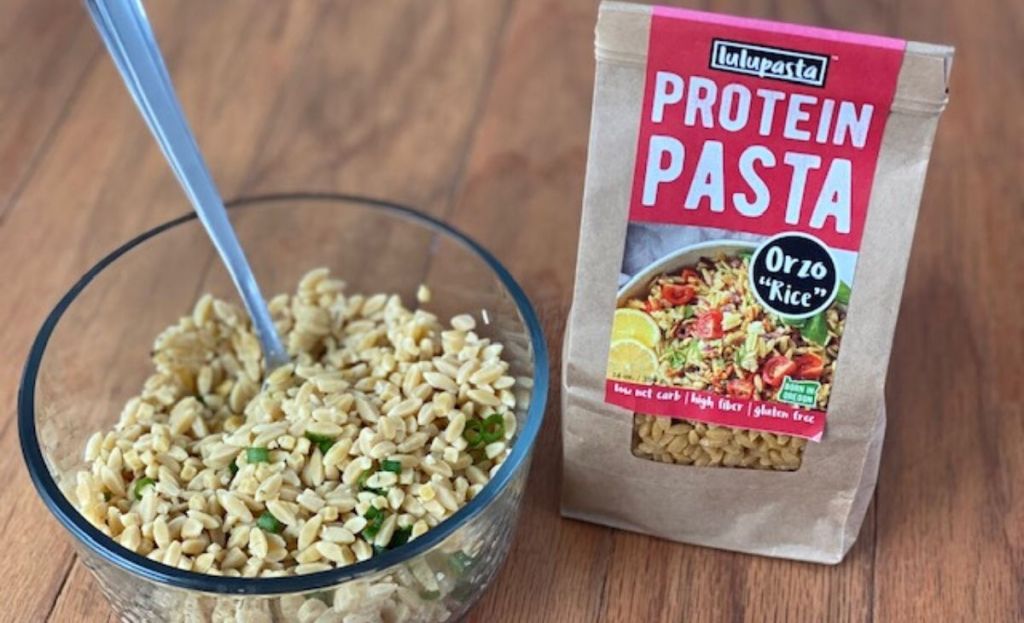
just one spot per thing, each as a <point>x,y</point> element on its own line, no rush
<point>477,111</point>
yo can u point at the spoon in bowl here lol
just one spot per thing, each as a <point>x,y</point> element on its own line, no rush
<point>129,39</point>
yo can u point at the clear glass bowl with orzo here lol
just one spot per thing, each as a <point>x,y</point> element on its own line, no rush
<point>376,478</point>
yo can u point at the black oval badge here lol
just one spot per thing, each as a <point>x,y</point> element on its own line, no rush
<point>794,275</point>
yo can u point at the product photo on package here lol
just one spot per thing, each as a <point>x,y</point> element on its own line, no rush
<point>750,201</point>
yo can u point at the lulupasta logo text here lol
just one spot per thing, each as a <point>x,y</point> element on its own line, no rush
<point>768,62</point>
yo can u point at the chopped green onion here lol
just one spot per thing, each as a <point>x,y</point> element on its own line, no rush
<point>401,537</point>
<point>234,468</point>
<point>493,428</point>
<point>376,520</point>
<point>371,530</point>
<point>391,466</point>
<point>460,562</point>
<point>473,433</point>
<point>430,595</point>
<point>141,484</point>
<point>361,481</point>
<point>257,455</point>
<point>322,441</point>
<point>269,523</point>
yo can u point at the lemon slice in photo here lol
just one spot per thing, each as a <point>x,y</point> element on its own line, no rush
<point>633,324</point>
<point>630,360</point>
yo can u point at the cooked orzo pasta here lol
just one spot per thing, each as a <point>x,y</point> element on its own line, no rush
<point>713,335</point>
<point>384,424</point>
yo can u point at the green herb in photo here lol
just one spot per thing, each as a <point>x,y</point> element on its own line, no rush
<point>796,323</point>
<point>816,329</point>
<point>843,294</point>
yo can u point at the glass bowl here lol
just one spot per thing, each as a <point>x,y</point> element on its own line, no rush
<point>92,354</point>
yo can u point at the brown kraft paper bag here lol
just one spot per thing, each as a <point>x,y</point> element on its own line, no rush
<point>751,196</point>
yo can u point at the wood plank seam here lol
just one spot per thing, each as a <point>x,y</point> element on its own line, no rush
<point>63,583</point>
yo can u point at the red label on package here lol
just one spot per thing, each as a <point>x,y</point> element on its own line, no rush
<point>757,150</point>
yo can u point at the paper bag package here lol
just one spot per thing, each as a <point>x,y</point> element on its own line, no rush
<point>751,195</point>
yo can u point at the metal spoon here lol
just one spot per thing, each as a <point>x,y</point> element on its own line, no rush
<point>130,41</point>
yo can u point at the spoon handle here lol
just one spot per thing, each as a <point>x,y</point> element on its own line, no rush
<point>129,39</point>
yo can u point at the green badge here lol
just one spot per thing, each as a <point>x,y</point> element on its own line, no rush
<point>800,393</point>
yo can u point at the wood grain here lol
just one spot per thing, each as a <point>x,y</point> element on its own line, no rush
<point>383,102</point>
<point>950,496</point>
<point>478,112</point>
<point>45,54</point>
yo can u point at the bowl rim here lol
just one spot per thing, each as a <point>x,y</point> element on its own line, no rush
<point>135,564</point>
<point>674,259</point>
